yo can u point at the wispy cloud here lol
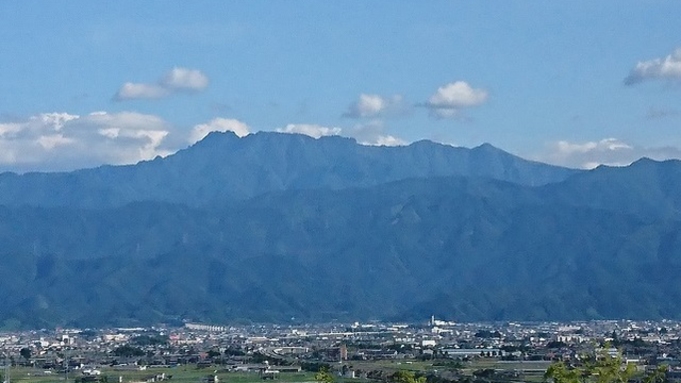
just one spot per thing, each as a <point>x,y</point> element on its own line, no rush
<point>608,151</point>
<point>175,80</point>
<point>133,91</point>
<point>659,113</point>
<point>666,68</point>
<point>450,99</point>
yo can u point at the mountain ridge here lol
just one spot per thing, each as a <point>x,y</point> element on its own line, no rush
<point>223,166</point>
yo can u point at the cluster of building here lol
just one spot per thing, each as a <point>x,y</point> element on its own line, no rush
<point>271,349</point>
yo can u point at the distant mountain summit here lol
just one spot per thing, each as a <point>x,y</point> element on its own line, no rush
<point>223,167</point>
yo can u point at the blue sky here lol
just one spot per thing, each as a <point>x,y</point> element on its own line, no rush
<point>575,83</point>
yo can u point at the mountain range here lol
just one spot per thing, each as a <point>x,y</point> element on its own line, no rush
<point>223,167</point>
<point>281,227</point>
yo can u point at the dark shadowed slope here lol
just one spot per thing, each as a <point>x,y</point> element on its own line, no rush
<point>463,248</point>
<point>647,188</point>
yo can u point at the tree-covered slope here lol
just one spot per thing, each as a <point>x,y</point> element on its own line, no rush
<point>464,248</point>
<point>646,188</point>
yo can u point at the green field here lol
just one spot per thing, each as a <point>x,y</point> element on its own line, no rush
<point>530,371</point>
<point>509,365</point>
<point>182,374</point>
<point>475,364</point>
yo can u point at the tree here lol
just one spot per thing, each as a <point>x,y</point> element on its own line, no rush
<point>604,368</point>
<point>560,373</point>
<point>128,351</point>
<point>404,376</point>
<point>657,376</point>
<point>486,373</point>
<point>323,376</point>
<point>26,353</point>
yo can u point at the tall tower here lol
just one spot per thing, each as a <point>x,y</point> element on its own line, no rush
<point>343,352</point>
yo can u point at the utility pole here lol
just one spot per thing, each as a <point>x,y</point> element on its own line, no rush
<point>8,364</point>
<point>66,369</point>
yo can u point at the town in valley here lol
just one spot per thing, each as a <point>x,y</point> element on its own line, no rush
<point>435,350</point>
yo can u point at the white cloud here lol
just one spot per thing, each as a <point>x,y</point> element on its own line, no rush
<point>175,80</point>
<point>311,130</point>
<point>34,124</point>
<point>387,141</point>
<point>607,144</point>
<point>373,105</point>
<point>373,134</point>
<point>8,129</point>
<point>185,79</point>
<point>56,119</point>
<point>608,151</point>
<point>218,125</point>
<point>451,98</point>
<point>50,142</point>
<point>62,141</point>
<point>131,137</point>
<point>667,68</point>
